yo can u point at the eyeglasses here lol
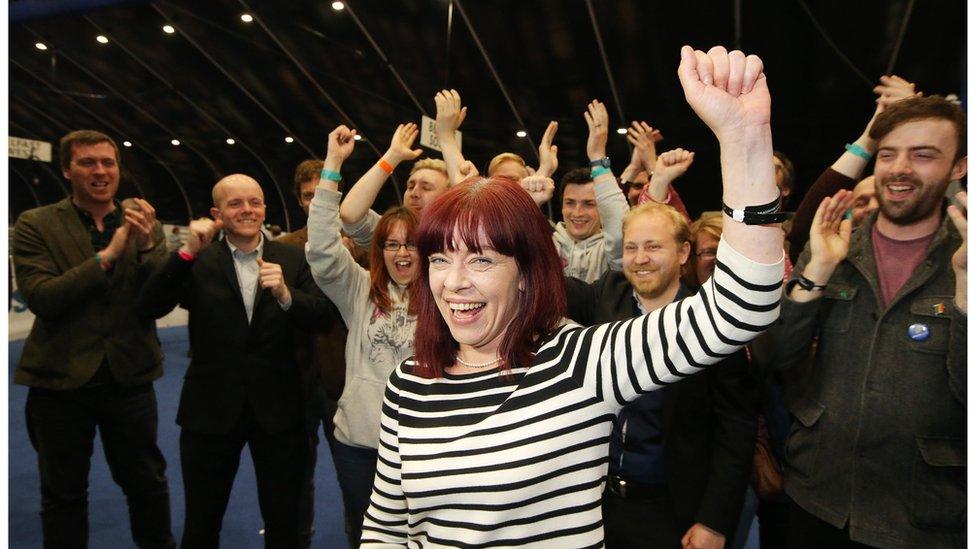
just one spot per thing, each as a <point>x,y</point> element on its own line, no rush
<point>394,246</point>
<point>706,254</point>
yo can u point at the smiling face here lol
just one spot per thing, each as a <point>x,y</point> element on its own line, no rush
<point>865,200</point>
<point>477,295</point>
<point>239,205</point>
<point>423,187</point>
<point>93,172</point>
<point>400,255</point>
<point>580,214</point>
<point>652,256</point>
<point>914,165</point>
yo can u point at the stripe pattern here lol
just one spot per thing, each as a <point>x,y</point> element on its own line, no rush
<point>484,460</point>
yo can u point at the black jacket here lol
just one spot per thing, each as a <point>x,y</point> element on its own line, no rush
<point>235,363</point>
<point>709,421</point>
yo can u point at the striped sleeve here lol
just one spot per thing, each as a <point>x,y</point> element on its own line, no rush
<point>623,360</point>
<point>385,522</point>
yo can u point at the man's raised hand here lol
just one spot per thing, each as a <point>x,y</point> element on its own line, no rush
<point>642,136</point>
<point>548,159</point>
<point>141,217</point>
<point>450,113</point>
<point>539,187</point>
<point>342,141</point>
<point>402,143</point>
<point>673,164</point>
<point>201,233</point>
<point>727,90</point>
<point>598,122</point>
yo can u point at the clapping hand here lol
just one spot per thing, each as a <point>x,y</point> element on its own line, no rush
<point>548,160</point>
<point>141,217</point>
<point>957,213</point>
<point>450,113</point>
<point>402,143</point>
<point>642,137</point>
<point>598,121</point>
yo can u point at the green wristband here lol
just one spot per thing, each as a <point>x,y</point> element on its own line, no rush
<point>598,171</point>
<point>330,175</point>
<point>858,150</point>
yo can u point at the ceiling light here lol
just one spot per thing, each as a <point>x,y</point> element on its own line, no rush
<point>338,6</point>
<point>357,137</point>
<point>230,141</point>
<point>102,39</point>
<point>175,142</point>
<point>168,29</point>
<point>622,131</point>
<point>289,139</point>
<point>127,143</point>
<point>520,133</point>
<point>41,46</point>
<point>247,17</point>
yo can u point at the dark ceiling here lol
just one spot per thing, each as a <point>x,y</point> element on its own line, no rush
<point>300,68</point>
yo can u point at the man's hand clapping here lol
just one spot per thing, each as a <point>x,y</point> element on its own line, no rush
<point>598,122</point>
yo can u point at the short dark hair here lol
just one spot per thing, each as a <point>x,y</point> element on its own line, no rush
<point>308,169</point>
<point>501,211</point>
<point>921,108</point>
<point>576,176</point>
<point>83,137</point>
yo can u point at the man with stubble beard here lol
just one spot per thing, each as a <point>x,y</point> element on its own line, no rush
<point>877,453</point>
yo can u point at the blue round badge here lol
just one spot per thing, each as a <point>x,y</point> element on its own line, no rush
<point>919,332</point>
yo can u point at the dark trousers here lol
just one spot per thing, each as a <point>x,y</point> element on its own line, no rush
<point>355,469</point>
<point>807,531</point>
<point>61,426</point>
<point>319,412</point>
<point>773,523</point>
<point>639,523</point>
<point>210,464</point>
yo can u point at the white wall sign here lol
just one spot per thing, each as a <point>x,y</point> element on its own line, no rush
<point>428,134</point>
<point>28,149</point>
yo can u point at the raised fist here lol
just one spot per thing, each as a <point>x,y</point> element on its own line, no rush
<point>727,90</point>
<point>539,187</point>
<point>673,164</point>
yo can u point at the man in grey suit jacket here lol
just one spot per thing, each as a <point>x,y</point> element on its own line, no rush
<point>90,359</point>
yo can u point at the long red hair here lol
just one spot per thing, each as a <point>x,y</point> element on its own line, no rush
<point>501,210</point>
<point>379,277</point>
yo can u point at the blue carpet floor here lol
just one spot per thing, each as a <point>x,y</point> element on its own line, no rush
<point>108,515</point>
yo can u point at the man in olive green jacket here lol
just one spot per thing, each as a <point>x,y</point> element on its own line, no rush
<point>90,359</point>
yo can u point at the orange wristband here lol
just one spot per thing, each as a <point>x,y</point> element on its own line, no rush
<point>385,166</point>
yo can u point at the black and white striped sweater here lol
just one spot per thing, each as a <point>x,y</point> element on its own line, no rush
<point>484,460</point>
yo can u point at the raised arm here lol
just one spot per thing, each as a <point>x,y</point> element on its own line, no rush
<point>333,268</point>
<point>359,199</point>
<point>548,153</point>
<point>450,115</point>
<point>669,166</point>
<point>610,200</point>
<point>847,170</point>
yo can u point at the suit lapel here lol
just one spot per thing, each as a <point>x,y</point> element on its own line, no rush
<point>76,240</point>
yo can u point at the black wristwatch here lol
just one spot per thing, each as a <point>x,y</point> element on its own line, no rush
<point>601,163</point>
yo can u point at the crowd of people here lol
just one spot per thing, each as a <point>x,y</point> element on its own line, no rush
<point>484,376</point>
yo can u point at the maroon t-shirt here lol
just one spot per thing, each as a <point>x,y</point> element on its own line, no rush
<point>897,260</point>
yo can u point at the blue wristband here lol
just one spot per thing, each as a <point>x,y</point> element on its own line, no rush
<point>598,171</point>
<point>330,175</point>
<point>856,149</point>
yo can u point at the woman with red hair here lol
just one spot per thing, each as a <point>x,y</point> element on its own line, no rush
<point>374,305</point>
<point>496,432</point>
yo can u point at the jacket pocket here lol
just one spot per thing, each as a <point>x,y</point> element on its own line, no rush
<point>838,306</point>
<point>933,313</point>
<point>938,496</point>
<point>803,445</point>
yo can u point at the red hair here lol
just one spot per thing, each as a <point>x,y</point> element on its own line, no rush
<point>379,278</point>
<point>501,210</point>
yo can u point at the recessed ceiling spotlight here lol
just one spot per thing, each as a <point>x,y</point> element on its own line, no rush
<point>102,39</point>
<point>41,46</point>
<point>168,29</point>
<point>247,17</point>
<point>622,131</point>
<point>338,6</point>
<point>127,143</point>
<point>175,142</point>
<point>520,133</point>
<point>289,139</point>
<point>230,141</point>
<point>357,137</point>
